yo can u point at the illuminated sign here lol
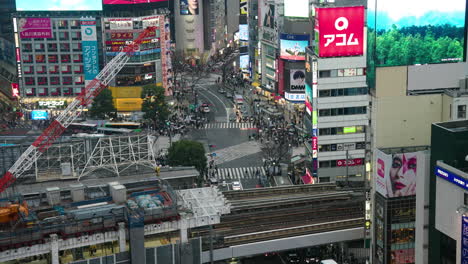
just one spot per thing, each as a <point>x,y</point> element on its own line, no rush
<point>244,8</point>
<point>189,7</point>
<point>244,32</point>
<point>293,46</point>
<point>15,90</point>
<point>90,48</point>
<point>451,177</point>
<point>347,130</point>
<point>464,240</point>
<point>130,2</point>
<point>35,28</point>
<point>351,162</point>
<point>51,104</point>
<point>294,97</point>
<point>296,8</point>
<point>64,5</point>
<point>340,31</point>
<point>39,115</point>
<point>297,80</point>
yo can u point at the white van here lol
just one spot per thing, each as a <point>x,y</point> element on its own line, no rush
<point>238,99</point>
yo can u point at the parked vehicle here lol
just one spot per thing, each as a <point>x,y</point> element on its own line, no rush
<point>236,186</point>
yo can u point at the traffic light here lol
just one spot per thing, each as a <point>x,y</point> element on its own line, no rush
<point>368,224</point>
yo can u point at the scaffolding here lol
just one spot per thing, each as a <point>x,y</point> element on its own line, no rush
<point>117,154</point>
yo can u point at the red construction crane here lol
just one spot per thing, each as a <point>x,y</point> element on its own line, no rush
<point>56,128</point>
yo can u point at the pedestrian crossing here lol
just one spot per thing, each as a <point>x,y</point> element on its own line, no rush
<point>224,125</point>
<point>240,173</point>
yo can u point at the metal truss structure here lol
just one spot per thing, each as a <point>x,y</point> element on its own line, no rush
<point>66,117</point>
<point>119,153</point>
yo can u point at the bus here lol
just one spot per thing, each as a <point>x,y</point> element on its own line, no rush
<point>78,128</point>
<point>114,131</point>
<point>136,127</point>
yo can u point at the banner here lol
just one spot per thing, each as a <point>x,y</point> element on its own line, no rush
<point>464,240</point>
<point>34,28</point>
<point>297,80</point>
<point>244,7</point>
<point>90,48</point>
<point>166,61</point>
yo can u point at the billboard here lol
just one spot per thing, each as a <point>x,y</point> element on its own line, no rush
<point>395,174</point>
<point>295,97</point>
<point>297,80</point>
<point>293,46</point>
<point>340,31</point>
<point>423,32</point>
<point>34,28</point>
<point>268,18</point>
<point>308,99</point>
<point>244,7</point>
<point>58,5</point>
<point>402,256</point>
<point>296,8</point>
<point>464,239</point>
<point>244,62</point>
<point>90,48</point>
<point>244,32</point>
<point>39,115</point>
<point>130,2</point>
<point>189,7</point>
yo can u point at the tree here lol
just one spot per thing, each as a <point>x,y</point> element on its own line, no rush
<point>276,151</point>
<point>188,153</point>
<point>103,106</point>
<point>154,105</point>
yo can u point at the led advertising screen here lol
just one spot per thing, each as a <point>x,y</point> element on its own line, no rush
<point>296,8</point>
<point>396,173</point>
<point>58,5</point>
<point>416,32</point>
<point>297,79</point>
<point>293,46</point>
<point>244,32</point>
<point>244,8</point>
<point>244,62</point>
<point>464,239</point>
<point>130,2</point>
<point>308,99</point>
<point>340,31</point>
<point>189,7</point>
<point>39,115</point>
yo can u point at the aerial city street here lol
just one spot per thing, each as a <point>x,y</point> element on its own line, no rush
<point>233,132</point>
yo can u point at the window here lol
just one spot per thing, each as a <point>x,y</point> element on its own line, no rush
<point>465,199</point>
<point>27,58</point>
<point>52,47</point>
<point>77,57</point>
<point>324,74</point>
<point>64,47</point>
<point>65,58</point>
<point>341,130</point>
<point>62,24</point>
<point>359,110</point>
<point>55,92</point>
<point>53,69</point>
<point>79,80</point>
<point>461,111</point>
<point>40,58</point>
<point>42,80</point>
<point>63,35</point>
<point>76,35</point>
<point>28,69</point>
<point>67,80</point>
<point>39,47</point>
<point>43,91</point>
<point>66,68</point>
<point>78,69</point>
<point>27,47</point>
<point>53,58</point>
<point>75,24</point>
<point>41,69</point>
<point>76,46</point>
<point>29,80</point>
<point>54,80</point>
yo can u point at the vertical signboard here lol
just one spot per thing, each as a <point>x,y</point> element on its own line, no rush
<point>244,7</point>
<point>15,90</point>
<point>166,62</point>
<point>90,49</point>
<point>314,116</point>
<point>340,31</point>
<point>464,240</point>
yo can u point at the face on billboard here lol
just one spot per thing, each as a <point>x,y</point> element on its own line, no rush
<point>297,79</point>
<point>189,7</point>
<point>397,35</point>
<point>341,31</point>
<point>296,8</point>
<point>58,5</point>
<point>396,174</point>
<point>130,2</point>
<point>293,46</point>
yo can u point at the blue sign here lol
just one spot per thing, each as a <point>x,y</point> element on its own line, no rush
<point>451,177</point>
<point>90,48</point>
<point>39,115</point>
<point>464,240</point>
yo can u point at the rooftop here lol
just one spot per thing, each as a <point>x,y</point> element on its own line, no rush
<point>454,126</point>
<point>397,150</point>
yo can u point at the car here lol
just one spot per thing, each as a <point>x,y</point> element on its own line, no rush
<point>236,186</point>
<point>213,181</point>
<point>205,108</point>
<point>229,95</point>
<point>221,91</point>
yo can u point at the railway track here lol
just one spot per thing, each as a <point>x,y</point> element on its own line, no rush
<point>277,191</point>
<point>292,231</point>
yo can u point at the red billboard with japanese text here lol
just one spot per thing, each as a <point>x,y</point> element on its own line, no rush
<point>340,31</point>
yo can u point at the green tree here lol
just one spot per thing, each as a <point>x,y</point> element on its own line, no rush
<point>188,153</point>
<point>154,104</point>
<point>103,106</point>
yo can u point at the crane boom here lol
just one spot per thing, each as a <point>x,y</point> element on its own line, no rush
<point>74,109</point>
